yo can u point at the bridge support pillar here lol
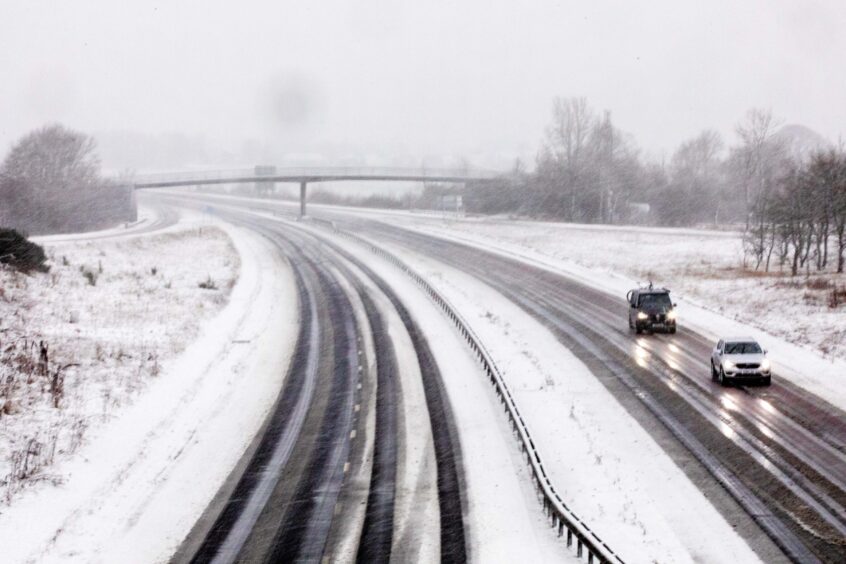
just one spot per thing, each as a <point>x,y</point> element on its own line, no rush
<point>303,199</point>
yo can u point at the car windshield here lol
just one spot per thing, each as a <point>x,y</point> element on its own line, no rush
<point>743,348</point>
<point>655,300</point>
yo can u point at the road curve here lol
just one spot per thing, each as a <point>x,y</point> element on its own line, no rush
<point>779,451</point>
<point>290,499</point>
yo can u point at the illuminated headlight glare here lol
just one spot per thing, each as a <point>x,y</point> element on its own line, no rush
<point>765,365</point>
<point>641,315</point>
<point>671,315</point>
<point>728,365</point>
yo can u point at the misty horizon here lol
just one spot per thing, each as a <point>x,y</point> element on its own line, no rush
<point>408,84</point>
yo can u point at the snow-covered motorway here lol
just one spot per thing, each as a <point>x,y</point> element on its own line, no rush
<point>360,458</point>
<point>778,451</point>
<point>291,499</point>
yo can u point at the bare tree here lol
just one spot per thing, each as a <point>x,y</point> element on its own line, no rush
<point>756,156</point>
<point>50,181</point>
<point>572,121</point>
<point>566,144</point>
<point>696,182</point>
<point>615,166</point>
<point>838,210</point>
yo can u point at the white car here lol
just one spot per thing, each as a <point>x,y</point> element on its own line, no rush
<point>739,359</point>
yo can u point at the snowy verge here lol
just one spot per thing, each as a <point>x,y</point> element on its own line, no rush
<point>86,338</point>
<point>607,468</point>
<point>135,489</point>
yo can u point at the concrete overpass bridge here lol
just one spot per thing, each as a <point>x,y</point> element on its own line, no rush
<point>303,176</point>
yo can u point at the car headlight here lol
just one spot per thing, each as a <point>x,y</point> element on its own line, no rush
<point>671,315</point>
<point>765,365</point>
<point>728,365</point>
<point>641,315</point>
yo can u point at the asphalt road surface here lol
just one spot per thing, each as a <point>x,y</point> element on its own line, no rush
<point>779,452</point>
<point>319,474</point>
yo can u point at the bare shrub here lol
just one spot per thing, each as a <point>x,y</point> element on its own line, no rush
<point>20,253</point>
<point>90,275</point>
<point>26,461</point>
<point>817,284</point>
<point>208,284</point>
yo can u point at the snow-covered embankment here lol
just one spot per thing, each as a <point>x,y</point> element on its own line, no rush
<point>172,381</point>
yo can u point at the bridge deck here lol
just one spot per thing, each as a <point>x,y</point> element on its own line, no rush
<point>309,175</point>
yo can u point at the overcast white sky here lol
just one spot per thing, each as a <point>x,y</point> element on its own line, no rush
<point>473,78</point>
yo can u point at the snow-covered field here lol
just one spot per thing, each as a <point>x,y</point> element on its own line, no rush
<point>141,445</point>
<point>86,338</point>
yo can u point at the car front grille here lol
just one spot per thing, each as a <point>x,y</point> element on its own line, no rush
<point>748,365</point>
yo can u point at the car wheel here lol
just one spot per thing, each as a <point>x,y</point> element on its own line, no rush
<point>672,330</point>
<point>713,371</point>
<point>638,329</point>
<point>724,381</point>
<point>766,380</point>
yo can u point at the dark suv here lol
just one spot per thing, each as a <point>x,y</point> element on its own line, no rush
<point>651,308</point>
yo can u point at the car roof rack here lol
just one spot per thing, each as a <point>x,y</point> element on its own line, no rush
<point>652,288</point>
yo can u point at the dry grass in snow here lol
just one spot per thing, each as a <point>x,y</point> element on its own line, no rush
<point>84,339</point>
